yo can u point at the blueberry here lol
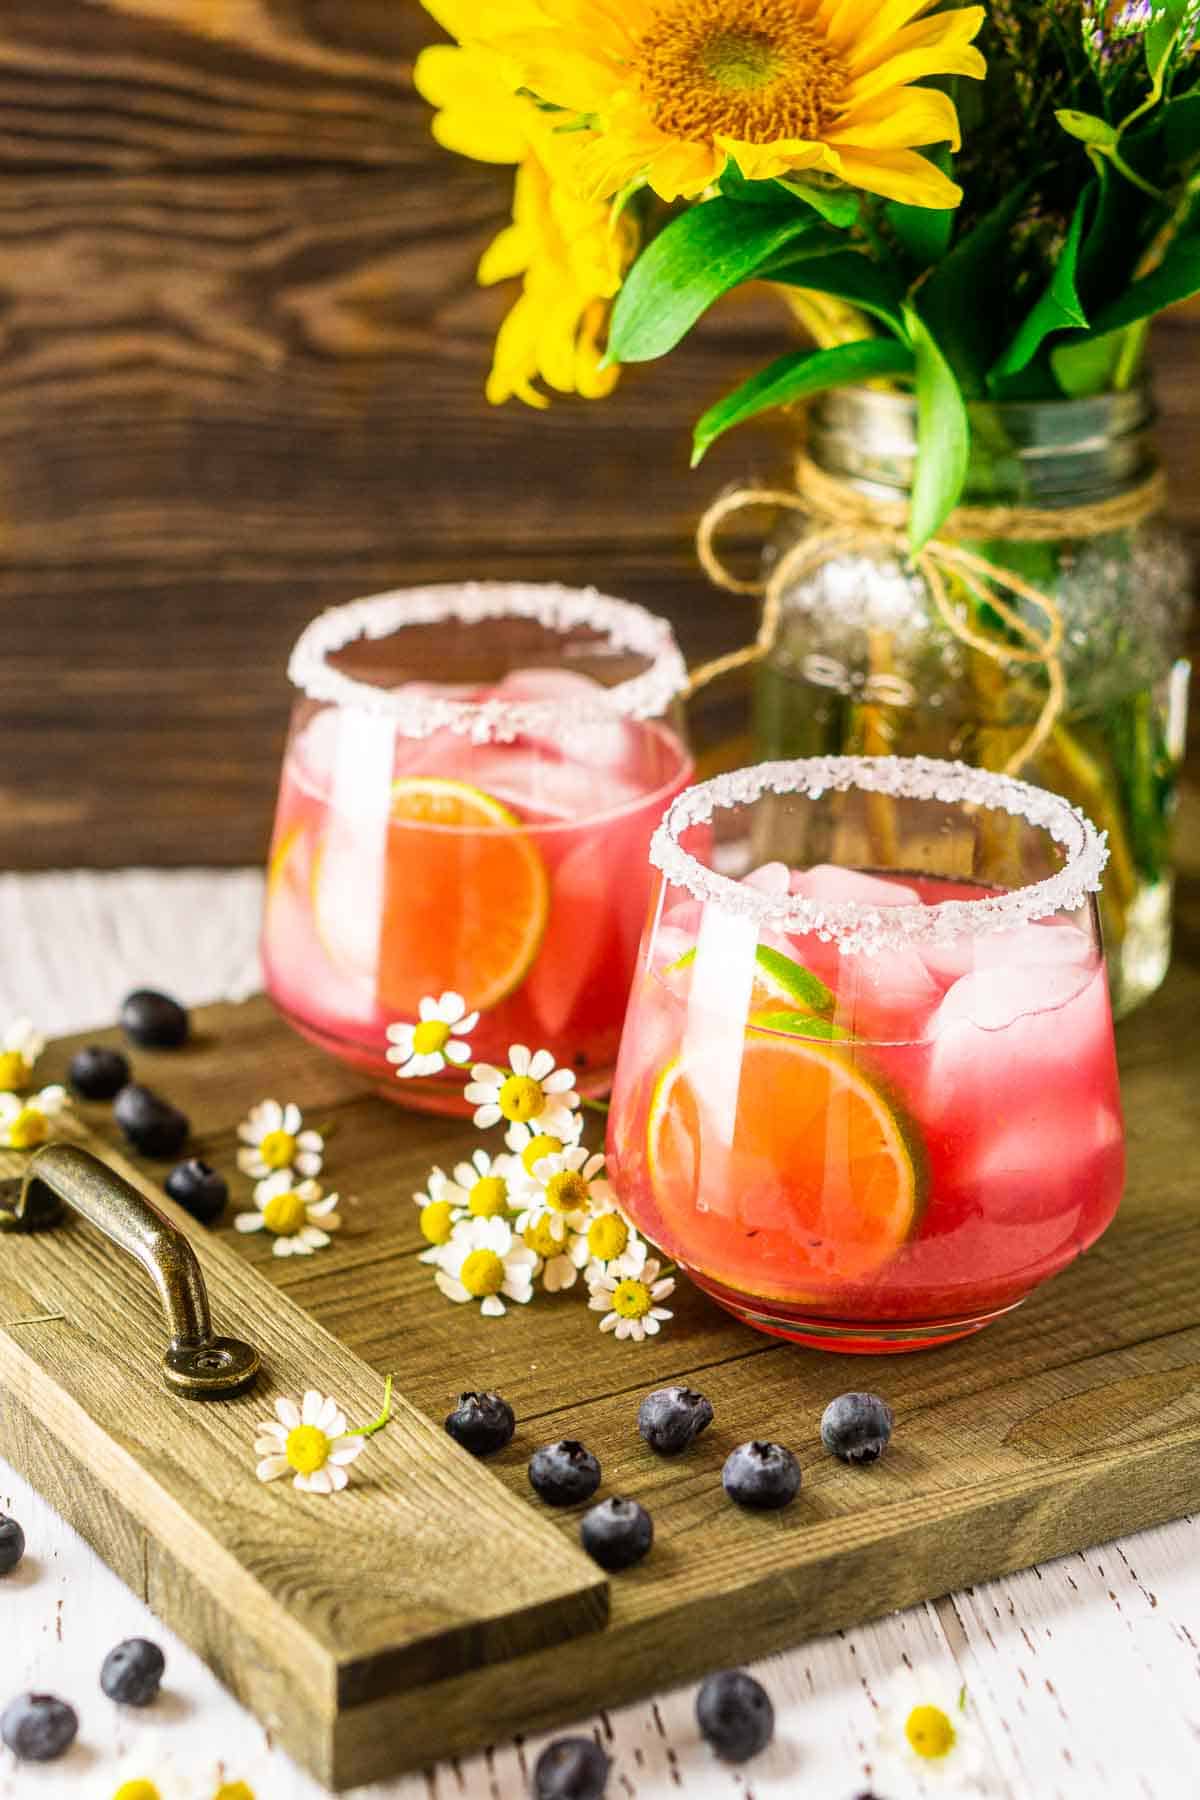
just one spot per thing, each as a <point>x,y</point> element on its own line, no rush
<point>573,1768</point>
<point>857,1427</point>
<point>97,1073</point>
<point>481,1423</point>
<point>12,1544</point>
<point>133,1672</point>
<point>616,1533</point>
<point>198,1189</point>
<point>154,1020</point>
<point>735,1715</point>
<point>672,1418</point>
<point>37,1727</point>
<point>564,1473</point>
<point>761,1475</point>
<point>153,1126</point>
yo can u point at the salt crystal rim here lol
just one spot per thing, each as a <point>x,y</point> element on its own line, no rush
<point>624,625</point>
<point>852,925</point>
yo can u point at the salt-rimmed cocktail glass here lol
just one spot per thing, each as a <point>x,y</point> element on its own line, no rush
<point>471,781</point>
<point>867,1092</point>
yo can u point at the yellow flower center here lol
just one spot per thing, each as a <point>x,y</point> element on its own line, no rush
<point>521,1099</point>
<point>482,1273</point>
<point>28,1128</point>
<point>278,1149</point>
<point>537,1147</point>
<point>632,1299</point>
<point>489,1197</point>
<point>136,1790</point>
<point>437,1222</point>
<point>567,1192</point>
<point>307,1449</point>
<point>431,1037</point>
<point>14,1071</point>
<point>608,1236</point>
<point>753,70</point>
<point>285,1214</point>
<point>539,1237</point>
<point>234,1790</point>
<point>930,1732</point>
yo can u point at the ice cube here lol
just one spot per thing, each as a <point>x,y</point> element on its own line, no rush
<point>1027,946</point>
<point>828,885</point>
<point>534,783</point>
<point>598,743</point>
<point>773,879</point>
<point>994,997</point>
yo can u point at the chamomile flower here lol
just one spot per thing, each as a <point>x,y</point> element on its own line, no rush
<point>930,1730</point>
<point>437,1039</point>
<point>630,1303</point>
<point>24,1124</point>
<point>20,1046</point>
<point>545,1236</point>
<point>530,1089</point>
<point>484,1185</point>
<point>567,1185</point>
<point>531,1143</point>
<point>441,1204</point>
<point>308,1442</point>
<point>608,1243</point>
<point>298,1215</point>
<point>274,1142</point>
<point>483,1261</point>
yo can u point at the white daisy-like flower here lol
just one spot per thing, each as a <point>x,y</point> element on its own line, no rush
<point>485,1185</point>
<point>274,1142</point>
<point>308,1442</point>
<point>545,1236</point>
<point>564,1187</point>
<point>630,1303</point>
<point>20,1047</point>
<point>608,1242</point>
<point>299,1215</point>
<point>24,1124</point>
<point>929,1731</point>
<point>483,1261</point>
<point>442,1206</point>
<point>530,1089</point>
<point>438,1038</point>
<point>531,1143</point>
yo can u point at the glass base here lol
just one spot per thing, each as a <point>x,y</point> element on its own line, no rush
<point>847,1337</point>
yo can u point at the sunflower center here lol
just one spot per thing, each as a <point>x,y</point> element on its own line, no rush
<point>431,1037</point>
<point>567,1192</point>
<point>13,1071</point>
<point>489,1197</point>
<point>521,1099</point>
<point>28,1128</point>
<point>285,1214</point>
<point>278,1149</point>
<point>930,1732</point>
<point>632,1299</point>
<point>539,1237</point>
<point>482,1274</point>
<point>307,1449</point>
<point>537,1147</point>
<point>437,1222</point>
<point>751,70</point>
<point>608,1236</point>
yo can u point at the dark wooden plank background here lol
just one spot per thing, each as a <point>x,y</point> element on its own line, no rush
<point>241,367</point>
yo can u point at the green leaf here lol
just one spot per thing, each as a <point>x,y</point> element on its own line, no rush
<point>1176,278</point>
<point>837,204</point>
<point>1088,128</point>
<point>847,275</point>
<point>1180,125</point>
<point>697,258</point>
<point>1161,34</point>
<point>963,302</point>
<point>1058,309</point>
<point>796,375</point>
<point>1085,365</point>
<point>943,436</point>
<point>924,232</point>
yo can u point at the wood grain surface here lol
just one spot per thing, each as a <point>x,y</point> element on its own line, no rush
<point>241,367</point>
<point>1071,1421</point>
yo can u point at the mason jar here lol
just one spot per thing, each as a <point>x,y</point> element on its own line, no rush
<point>865,662</point>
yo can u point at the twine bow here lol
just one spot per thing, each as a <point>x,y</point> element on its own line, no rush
<point>849,522</point>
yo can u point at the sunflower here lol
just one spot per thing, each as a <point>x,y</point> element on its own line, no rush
<point>674,88</point>
<point>568,251</point>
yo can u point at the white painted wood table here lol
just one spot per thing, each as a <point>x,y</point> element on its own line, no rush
<point>1082,1678</point>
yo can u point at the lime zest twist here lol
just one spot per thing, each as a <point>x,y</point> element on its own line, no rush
<point>384,1418</point>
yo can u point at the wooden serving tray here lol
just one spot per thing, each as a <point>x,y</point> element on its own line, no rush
<point>437,1605</point>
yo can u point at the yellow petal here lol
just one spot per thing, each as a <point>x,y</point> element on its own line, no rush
<point>898,175</point>
<point>940,45</point>
<point>561,70</point>
<point>860,25</point>
<point>764,162</point>
<point>515,361</point>
<point>900,121</point>
<point>505,257</point>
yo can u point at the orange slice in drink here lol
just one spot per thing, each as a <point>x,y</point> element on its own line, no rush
<point>466,896</point>
<point>818,1186</point>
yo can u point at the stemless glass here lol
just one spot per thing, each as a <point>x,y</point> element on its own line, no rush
<point>867,1091</point>
<point>471,781</point>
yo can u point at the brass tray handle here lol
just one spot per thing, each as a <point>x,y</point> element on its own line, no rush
<point>197,1364</point>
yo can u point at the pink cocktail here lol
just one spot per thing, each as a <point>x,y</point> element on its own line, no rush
<point>867,1093</point>
<point>483,834</point>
